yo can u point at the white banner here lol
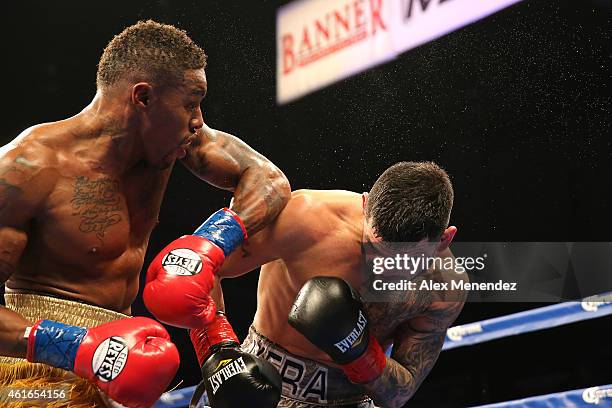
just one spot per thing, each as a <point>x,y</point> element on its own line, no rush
<point>319,42</point>
<point>421,21</point>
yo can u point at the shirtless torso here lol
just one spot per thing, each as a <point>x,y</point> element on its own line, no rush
<point>88,239</point>
<point>321,233</point>
<point>79,199</point>
<point>78,204</point>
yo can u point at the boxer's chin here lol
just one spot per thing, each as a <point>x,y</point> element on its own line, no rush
<point>169,159</point>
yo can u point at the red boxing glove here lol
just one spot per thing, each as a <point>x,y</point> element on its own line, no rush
<point>179,281</point>
<point>132,360</point>
<point>219,333</point>
<point>180,278</point>
<point>142,357</point>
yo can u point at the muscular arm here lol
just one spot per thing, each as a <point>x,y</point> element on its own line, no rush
<point>260,189</point>
<point>12,325</point>
<point>23,186</point>
<point>287,235</point>
<point>417,345</point>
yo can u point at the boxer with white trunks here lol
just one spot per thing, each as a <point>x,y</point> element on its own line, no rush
<point>326,342</point>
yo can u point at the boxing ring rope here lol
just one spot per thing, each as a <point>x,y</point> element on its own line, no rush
<point>176,399</point>
<point>490,329</point>
<point>528,321</point>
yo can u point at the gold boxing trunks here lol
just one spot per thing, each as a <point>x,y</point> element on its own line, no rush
<point>18,374</point>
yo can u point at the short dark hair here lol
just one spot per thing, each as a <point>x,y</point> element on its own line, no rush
<point>410,201</point>
<point>149,51</point>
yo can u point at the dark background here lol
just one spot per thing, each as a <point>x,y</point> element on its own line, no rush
<point>515,107</point>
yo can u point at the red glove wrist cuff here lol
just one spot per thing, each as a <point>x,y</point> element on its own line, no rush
<point>217,332</point>
<point>368,366</point>
<point>31,341</point>
<point>238,220</point>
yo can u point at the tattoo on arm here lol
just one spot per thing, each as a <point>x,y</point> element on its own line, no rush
<point>405,372</point>
<point>258,199</point>
<point>260,189</point>
<point>196,159</point>
<point>417,345</point>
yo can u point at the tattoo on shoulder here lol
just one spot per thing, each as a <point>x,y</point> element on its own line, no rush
<point>7,192</point>
<point>7,189</point>
<point>97,203</point>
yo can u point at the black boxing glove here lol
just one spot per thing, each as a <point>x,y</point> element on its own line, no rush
<point>235,379</point>
<point>330,314</point>
<point>231,377</point>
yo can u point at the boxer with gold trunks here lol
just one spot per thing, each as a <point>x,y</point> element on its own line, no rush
<point>78,201</point>
<point>326,342</point>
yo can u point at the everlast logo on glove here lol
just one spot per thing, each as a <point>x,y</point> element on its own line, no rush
<point>230,369</point>
<point>352,339</point>
<point>182,261</point>
<point>110,358</point>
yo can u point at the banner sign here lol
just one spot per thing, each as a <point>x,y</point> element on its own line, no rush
<point>322,41</point>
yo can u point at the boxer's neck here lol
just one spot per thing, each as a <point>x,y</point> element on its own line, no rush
<point>107,136</point>
<point>368,234</point>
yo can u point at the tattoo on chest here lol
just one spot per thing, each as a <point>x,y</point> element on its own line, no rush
<point>97,203</point>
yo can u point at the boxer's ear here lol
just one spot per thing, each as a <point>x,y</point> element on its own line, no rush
<point>447,238</point>
<point>141,93</point>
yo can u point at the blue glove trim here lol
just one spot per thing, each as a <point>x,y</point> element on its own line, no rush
<point>56,344</point>
<point>223,230</point>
